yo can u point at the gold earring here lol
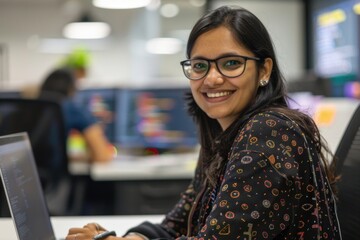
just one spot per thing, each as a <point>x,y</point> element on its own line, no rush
<point>263,82</point>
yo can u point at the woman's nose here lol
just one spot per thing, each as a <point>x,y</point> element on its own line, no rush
<point>214,77</point>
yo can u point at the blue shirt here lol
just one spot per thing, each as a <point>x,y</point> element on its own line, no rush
<point>76,117</point>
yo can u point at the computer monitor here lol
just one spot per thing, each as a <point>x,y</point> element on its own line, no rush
<point>154,118</point>
<point>101,102</point>
<point>335,41</point>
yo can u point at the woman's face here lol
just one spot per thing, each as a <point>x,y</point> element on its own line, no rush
<point>221,97</point>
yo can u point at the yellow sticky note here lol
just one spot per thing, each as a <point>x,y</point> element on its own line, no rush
<point>325,115</point>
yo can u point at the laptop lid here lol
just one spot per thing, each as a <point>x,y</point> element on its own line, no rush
<point>23,189</point>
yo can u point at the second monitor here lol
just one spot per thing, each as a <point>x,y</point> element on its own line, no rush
<point>154,118</point>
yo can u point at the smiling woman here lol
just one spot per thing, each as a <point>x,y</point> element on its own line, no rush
<point>224,91</point>
<point>261,172</point>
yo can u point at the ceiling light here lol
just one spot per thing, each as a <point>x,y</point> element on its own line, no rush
<point>169,10</point>
<point>120,4</point>
<point>164,46</point>
<point>85,28</point>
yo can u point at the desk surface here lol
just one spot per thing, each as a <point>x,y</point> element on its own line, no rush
<point>332,115</point>
<point>61,225</point>
<point>123,168</point>
<point>167,166</point>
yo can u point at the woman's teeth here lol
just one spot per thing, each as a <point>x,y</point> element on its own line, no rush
<point>218,94</point>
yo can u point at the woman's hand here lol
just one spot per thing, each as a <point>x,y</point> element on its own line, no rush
<point>92,229</point>
<point>85,233</point>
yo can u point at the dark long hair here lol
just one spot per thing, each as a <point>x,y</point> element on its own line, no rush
<point>60,82</point>
<point>252,34</point>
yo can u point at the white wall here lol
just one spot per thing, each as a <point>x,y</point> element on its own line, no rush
<point>121,59</point>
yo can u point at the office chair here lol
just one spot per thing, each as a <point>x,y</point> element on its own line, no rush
<point>348,167</point>
<point>43,121</point>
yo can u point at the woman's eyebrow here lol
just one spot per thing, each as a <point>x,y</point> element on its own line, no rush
<point>227,54</point>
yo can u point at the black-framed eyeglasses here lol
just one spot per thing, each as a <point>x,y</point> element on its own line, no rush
<point>229,66</point>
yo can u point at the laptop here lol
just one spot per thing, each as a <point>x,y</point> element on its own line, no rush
<point>23,189</point>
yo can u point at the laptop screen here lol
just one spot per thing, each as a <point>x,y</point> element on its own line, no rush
<point>23,189</point>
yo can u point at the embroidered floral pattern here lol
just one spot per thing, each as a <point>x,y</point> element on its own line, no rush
<point>270,189</point>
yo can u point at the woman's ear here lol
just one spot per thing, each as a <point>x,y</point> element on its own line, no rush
<point>266,69</point>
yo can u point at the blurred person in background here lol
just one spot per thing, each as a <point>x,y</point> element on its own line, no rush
<point>61,85</point>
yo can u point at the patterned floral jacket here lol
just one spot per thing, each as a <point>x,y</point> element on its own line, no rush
<point>273,187</point>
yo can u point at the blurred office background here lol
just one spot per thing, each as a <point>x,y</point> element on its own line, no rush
<point>318,36</point>
<point>32,39</point>
<point>133,72</point>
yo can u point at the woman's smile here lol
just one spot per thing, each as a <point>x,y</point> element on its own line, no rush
<point>217,96</point>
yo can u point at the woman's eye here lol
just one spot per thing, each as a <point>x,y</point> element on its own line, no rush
<point>200,67</point>
<point>231,64</point>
